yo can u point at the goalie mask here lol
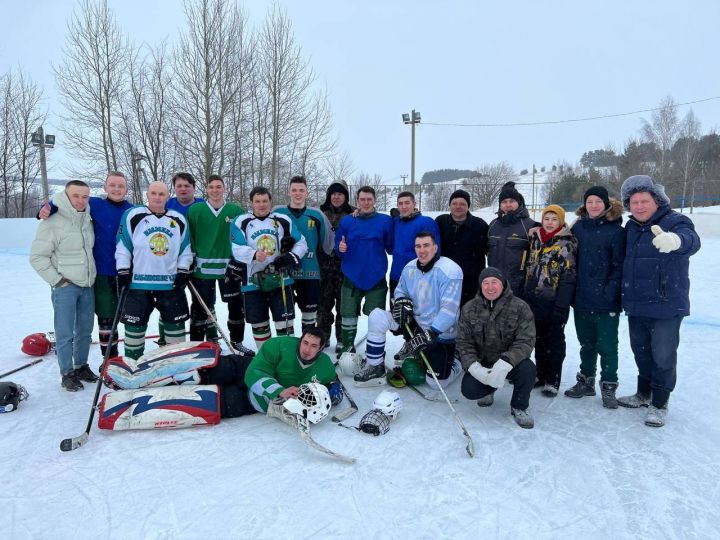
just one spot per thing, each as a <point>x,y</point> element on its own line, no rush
<point>375,423</point>
<point>36,345</point>
<point>312,402</point>
<point>350,363</point>
<point>10,395</point>
<point>388,402</point>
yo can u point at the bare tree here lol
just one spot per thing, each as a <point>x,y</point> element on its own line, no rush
<point>437,195</point>
<point>7,140</point>
<point>208,68</point>
<point>485,186</point>
<point>662,130</point>
<point>689,155</point>
<point>91,79</point>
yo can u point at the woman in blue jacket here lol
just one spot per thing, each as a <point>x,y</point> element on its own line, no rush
<point>601,251</point>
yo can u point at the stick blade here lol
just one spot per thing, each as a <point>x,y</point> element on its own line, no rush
<point>344,414</point>
<point>67,445</point>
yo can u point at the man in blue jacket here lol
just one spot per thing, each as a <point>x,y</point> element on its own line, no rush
<point>362,242</point>
<point>655,290</point>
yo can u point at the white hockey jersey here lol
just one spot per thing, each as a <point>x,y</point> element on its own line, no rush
<point>155,247</point>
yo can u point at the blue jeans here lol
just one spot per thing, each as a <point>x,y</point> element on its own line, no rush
<point>74,317</point>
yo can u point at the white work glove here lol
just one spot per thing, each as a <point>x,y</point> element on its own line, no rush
<point>665,242</point>
<point>479,372</point>
<point>498,373</point>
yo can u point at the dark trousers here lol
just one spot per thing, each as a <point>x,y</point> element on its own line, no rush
<point>654,343</point>
<point>521,376</point>
<point>598,336</point>
<point>330,286</point>
<point>200,324</point>
<point>229,375</point>
<point>549,350</point>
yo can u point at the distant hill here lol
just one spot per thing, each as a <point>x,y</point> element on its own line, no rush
<point>445,175</point>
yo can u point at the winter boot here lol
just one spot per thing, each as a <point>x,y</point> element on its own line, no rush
<point>84,373</point>
<point>522,418</point>
<point>486,401</point>
<point>550,390</point>
<point>585,386</point>
<point>656,416</point>
<point>607,390</point>
<point>634,402</point>
<point>71,383</point>
<point>371,376</point>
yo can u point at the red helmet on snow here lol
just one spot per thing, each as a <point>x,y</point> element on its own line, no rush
<point>36,345</point>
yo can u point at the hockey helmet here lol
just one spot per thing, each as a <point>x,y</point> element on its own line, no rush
<point>413,371</point>
<point>350,363</point>
<point>36,345</point>
<point>389,402</point>
<point>10,395</point>
<point>375,423</point>
<point>312,402</point>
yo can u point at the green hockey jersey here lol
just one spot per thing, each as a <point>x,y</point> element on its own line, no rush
<point>276,366</point>
<point>210,237</point>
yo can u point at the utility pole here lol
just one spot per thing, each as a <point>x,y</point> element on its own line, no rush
<point>43,141</point>
<point>403,176</point>
<point>534,202</point>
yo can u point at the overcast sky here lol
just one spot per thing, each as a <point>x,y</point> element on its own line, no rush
<point>465,62</point>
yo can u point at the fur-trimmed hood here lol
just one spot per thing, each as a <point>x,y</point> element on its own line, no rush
<point>614,213</point>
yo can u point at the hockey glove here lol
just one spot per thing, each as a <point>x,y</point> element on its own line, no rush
<point>560,315</point>
<point>479,372</point>
<point>123,279</point>
<point>182,278</point>
<point>287,261</point>
<point>286,244</point>
<point>235,271</point>
<point>498,374</point>
<point>422,340</point>
<point>402,311</point>
<point>665,242</point>
<point>336,392</point>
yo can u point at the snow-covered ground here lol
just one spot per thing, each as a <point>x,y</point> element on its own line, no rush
<point>583,472</point>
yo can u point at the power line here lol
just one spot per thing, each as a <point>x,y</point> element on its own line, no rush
<point>569,120</point>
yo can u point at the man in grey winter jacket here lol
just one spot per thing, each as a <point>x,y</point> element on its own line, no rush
<point>495,337</point>
<point>62,254</point>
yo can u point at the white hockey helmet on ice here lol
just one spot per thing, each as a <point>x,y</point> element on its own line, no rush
<point>350,363</point>
<point>389,402</point>
<point>312,402</point>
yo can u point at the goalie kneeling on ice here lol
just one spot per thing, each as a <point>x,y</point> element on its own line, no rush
<point>160,408</point>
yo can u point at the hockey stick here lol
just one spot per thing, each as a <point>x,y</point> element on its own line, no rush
<point>211,317</point>
<point>470,448</point>
<point>427,396</point>
<point>304,430</point>
<point>346,413</point>
<point>27,366</point>
<point>76,442</point>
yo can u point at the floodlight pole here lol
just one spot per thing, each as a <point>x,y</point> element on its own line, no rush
<point>43,164</point>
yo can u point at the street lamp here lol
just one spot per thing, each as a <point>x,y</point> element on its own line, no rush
<point>43,141</point>
<point>412,119</point>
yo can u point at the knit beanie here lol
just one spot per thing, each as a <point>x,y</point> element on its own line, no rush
<point>491,271</point>
<point>641,183</point>
<point>508,191</point>
<point>461,194</point>
<point>600,192</point>
<point>557,210</point>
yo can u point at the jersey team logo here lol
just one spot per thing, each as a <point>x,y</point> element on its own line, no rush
<point>159,244</point>
<point>267,243</point>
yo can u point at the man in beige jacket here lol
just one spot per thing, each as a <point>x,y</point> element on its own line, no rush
<point>62,255</point>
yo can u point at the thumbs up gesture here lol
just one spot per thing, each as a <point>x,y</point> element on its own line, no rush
<point>343,245</point>
<point>44,212</point>
<point>665,242</point>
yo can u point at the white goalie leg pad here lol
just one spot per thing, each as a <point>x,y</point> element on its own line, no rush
<point>160,408</point>
<point>166,365</point>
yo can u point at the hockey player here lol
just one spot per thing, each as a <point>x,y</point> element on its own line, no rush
<point>62,255</point>
<point>270,247</point>
<point>184,187</point>
<point>153,257</point>
<point>406,225</point>
<point>362,243</point>
<point>427,299</point>
<point>209,225</point>
<point>316,230</point>
<point>106,213</point>
<point>335,207</point>
<point>463,238</point>
<point>495,337</point>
